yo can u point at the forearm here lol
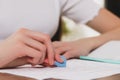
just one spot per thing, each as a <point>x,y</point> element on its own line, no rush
<point>108,25</point>
<point>108,36</point>
<point>16,63</point>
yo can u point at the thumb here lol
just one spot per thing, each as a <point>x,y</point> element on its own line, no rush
<point>68,55</point>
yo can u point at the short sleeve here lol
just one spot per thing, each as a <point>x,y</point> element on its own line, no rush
<point>81,11</point>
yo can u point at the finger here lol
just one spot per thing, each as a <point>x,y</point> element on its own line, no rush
<point>57,44</point>
<point>51,53</point>
<point>68,55</point>
<point>42,58</point>
<point>46,60</point>
<point>35,44</point>
<point>38,46</point>
<point>62,50</point>
<point>46,64</point>
<point>58,58</point>
<point>33,54</point>
<point>46,40</point>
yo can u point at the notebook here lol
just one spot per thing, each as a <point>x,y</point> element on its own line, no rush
<point>109,53</point>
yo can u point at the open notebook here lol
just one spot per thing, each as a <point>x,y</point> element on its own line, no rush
<point>75,69</point>
<point>109,53</point>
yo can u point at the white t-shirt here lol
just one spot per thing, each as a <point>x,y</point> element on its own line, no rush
<point>43,15</point>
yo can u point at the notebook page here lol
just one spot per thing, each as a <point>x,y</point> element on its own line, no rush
<point>76,70</point>
<point>110,50</point>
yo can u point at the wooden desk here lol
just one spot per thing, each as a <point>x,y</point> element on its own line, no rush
<point>6,76</point>
<point>113,77</point>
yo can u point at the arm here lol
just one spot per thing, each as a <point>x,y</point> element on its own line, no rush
<point>106,23</point>
<point>26,46</point>
<point>16,63</point>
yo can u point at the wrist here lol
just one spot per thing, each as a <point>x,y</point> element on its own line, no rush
<point>100,40</point>
<point>108,36</point>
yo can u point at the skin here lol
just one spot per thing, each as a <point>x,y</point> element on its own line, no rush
<point>106,23</point>
<point>26,46</point>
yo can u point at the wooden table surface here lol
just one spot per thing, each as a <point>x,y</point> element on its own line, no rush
<point>113,77</point>
<point>6,76</point>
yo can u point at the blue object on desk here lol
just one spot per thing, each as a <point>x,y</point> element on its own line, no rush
<point>100,60</point>
<point>63,64</point>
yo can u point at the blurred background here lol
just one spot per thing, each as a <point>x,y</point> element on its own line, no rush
<point>72,31</point>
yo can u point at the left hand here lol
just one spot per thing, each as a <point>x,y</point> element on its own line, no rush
<point>75,49</point>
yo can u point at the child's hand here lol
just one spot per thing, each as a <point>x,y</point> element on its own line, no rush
<point>26,43</point>
<point>75,49</point>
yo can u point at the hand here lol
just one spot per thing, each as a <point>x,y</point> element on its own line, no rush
<point>75,49</point>
<point>26,43</point>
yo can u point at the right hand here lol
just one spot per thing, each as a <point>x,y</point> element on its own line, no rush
<point>26,43</point>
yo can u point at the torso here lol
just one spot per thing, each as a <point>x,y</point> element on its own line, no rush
<point>38,15</point>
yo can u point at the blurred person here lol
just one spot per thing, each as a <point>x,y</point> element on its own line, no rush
<point>27,27</point>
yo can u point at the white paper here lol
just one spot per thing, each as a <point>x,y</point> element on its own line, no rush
<point>75,70</point>
<point>110,50</point>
